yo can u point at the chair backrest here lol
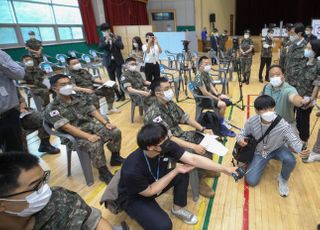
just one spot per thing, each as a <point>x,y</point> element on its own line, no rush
<point>86,58</point>
<point>72,53</point>
<point>46,67</point>
<point>61,58</point>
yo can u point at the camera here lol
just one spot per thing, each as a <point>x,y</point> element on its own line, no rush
<point>235,43</point>
<point>185,44</point>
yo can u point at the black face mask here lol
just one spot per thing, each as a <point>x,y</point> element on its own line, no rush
<point>147,40</point>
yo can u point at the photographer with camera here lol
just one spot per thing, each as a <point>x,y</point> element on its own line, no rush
<point>112,45</point>
<point>151,50</point>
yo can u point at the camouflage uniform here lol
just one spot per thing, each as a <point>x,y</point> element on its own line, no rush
<point>285,43</point>
<point>203,79</point>
<point>171,116</point>
<point>136,81</point>
<point>246,59</point>
<point>35,76</point>
<point>306,81</point>
<point>83,78</point>
<point>78,114</point>
<point>66,210</point>
<point>266,56</point>
<point>295,61</point>
<point>35,44</point>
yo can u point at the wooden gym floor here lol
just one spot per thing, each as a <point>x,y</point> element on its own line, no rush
<point>235,206</point>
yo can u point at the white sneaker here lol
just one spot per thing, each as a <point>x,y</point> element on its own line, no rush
<point>312,157</point>
<point>185,215</point>
<point>114,110</point>
<point>283,186</point>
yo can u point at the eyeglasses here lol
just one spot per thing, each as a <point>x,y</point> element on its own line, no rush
<point>44,180</point>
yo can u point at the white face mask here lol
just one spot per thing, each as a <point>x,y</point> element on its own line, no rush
<point>309,53</point>
<point>246,36</point>
<point>268,116</point>
<point>66,90</point>
<point>207,68</point>
<point>77,66</point>
<point>275,81</point>
<point>293,38</point>
<point>168,94</point>
<point>136,45</point>
<point>132,68</point>
<point>307,32</point>
<point>29,63</point>
<point>36,200</point>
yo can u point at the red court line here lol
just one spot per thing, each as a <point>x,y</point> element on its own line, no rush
<point>245,222</point>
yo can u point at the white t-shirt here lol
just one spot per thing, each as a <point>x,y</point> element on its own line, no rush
<point>152,56</point>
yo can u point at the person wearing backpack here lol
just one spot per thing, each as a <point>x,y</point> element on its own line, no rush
<point>275,145</point>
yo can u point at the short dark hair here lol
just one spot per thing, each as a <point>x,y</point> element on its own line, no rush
<point>25,56</point>
<point>11,165</point>
<point>151,134</point>
<point>201,59</point>
<point>56,78</point>
<point>309,27</point>
<point>275,66</point>
<point>149,34</point>
<point>299,28</point>
<point>155,85</point>
<point>289,26</point>
<point>264,102</point>
<point>31,32</point>
<point>69,59</point>
<point>105,26</point>
<point>215,30</point>
<point>315,45</point>
<point>129,59</point>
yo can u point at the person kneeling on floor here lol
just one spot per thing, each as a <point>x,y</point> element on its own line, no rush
<point>273,146</point>
<point>145,175</point>
<point>28,202</point>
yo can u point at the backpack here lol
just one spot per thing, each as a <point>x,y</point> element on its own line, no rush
<point>210,120</point>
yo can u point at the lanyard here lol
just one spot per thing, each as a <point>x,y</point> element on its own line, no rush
<point>155,178</point>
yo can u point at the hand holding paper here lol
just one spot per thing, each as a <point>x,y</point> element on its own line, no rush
<point>213,146</point>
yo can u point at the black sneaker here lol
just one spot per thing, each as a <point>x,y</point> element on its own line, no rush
<point>105,175</point>
<point>260,80</point>
<point>116,160</point>
<point>48,149</point>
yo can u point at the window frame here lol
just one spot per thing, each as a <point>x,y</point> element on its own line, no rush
<point>17,27</point>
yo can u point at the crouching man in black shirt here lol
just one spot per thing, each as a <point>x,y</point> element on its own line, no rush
<point>145,175</point>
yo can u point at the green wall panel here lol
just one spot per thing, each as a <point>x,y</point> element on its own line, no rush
<point>184,28</point>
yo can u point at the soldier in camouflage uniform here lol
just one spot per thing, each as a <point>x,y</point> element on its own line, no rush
<point>85,81</point>
<point>34,77</point>
<point>266,54</point>
<point>310,74</point>
<point>295,60</point>
<point>285,43</point>
<point>30,121</point>
<point>168,113</point>
<point>246,52</point>
<point>72,114</point>
<point>133,82</point>
<point>34,47</point>
<point>23,181</point>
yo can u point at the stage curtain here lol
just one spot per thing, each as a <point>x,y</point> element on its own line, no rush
<point>125,12</point>
<point>89,21</point>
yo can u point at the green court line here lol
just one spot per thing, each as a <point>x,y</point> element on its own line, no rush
<point>214,186</point>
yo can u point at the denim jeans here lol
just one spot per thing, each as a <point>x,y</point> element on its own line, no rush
<point>259,163</point>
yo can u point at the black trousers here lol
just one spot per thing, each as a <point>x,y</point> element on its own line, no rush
<point>10,131</point>
<point>114,71</point>
<point>152,71</point>
<point>303,122</point>
<point>264,61</point>
<point>147,212</point>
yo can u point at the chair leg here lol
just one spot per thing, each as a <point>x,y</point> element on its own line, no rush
<point>140,110</point>
<point>194,183</point>
<point>86,167</point>
<point>133,106</point>
<point>69,152</point>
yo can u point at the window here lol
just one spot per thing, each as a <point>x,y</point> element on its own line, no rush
<point>8,36</point>
<point>52,21</point>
